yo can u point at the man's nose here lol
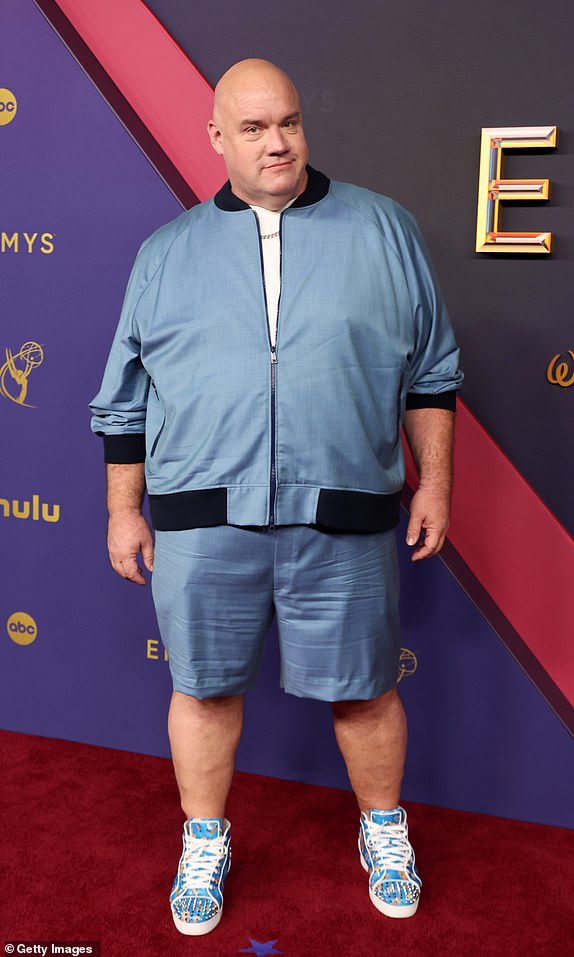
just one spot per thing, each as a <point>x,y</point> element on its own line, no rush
<point>276,141</point>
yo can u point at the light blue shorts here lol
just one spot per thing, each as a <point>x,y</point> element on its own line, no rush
<point>335,597</point>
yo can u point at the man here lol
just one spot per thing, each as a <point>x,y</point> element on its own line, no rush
<point>273,341</point>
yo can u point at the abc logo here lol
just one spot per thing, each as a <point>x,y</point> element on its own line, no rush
<point>22,628</point>
<point>8,106</point>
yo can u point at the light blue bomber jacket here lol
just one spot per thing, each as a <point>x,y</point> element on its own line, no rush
<point>235,431</point>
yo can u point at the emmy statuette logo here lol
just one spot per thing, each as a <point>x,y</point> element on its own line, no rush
<point>15,372</point>
<point>408,664</point>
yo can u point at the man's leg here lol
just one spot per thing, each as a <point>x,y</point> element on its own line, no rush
<point>204,735</point>
<point>372,737</point>
<point>213,593</point>
<point>336,600</point>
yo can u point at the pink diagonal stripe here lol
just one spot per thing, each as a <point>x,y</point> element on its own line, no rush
<point>157,79</point>
<point>514,546</point>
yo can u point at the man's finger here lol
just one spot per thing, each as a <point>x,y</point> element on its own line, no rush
<point>128,568</point>
<point>431,545</point>
<point>133,572</point>
<point>147,555</point>
<point>414,530</point>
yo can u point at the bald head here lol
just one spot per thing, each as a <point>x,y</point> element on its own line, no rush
<point>244,78</point>
<point>257,128</point>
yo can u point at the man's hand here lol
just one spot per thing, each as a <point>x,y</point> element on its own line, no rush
<point>128,531</point>
<point>429,513</point>
<point>430,436</point>
<point>129,534</point>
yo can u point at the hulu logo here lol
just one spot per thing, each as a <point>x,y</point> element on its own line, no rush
<point>34,510</point>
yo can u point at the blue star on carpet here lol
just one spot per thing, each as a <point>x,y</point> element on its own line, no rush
<point>261,949</point>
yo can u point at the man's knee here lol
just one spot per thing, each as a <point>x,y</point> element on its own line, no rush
<point>380,705</point>
<point>205,714</point>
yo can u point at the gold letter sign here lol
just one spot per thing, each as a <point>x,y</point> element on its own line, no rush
<point>492,189</point>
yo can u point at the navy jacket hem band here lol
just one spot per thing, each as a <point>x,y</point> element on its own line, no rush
<point>198,508</point>
<point>349,511</point>
<point>337,510</point>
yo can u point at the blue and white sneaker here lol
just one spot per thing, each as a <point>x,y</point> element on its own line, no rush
<point>394,882</point>
<point>197,894</point>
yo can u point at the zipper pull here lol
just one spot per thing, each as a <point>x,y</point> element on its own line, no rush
<point>273,356</point>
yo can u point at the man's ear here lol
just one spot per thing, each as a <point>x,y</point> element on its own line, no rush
<point>215,137</point>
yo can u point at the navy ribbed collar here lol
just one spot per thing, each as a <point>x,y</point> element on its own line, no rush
<point>317,188</point>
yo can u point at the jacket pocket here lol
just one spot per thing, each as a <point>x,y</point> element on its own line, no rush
<point>157,438</point>
<point>156,417</point>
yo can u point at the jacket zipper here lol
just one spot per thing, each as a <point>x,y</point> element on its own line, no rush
<point>273,475</point>
<point>273,351</point>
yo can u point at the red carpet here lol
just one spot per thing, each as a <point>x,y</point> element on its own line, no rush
<point>92,839</point>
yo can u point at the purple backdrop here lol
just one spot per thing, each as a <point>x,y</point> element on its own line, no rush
<point>481,736</point>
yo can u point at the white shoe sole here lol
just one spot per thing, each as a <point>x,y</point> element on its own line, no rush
<point>389,910</point>
<point>196,928</point>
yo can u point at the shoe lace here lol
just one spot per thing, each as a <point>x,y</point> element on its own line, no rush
<point>200,860</point>
<point>389,846</point>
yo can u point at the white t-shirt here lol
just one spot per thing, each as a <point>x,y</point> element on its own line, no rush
<point>270,242</point>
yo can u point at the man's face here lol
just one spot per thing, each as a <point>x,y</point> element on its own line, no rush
<point>258,130</point>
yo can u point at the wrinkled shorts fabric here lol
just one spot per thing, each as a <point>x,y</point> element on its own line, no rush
<point>334,595</point>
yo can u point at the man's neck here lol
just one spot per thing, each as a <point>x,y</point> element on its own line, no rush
<point>273,203</point>
<point>266,209</point>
